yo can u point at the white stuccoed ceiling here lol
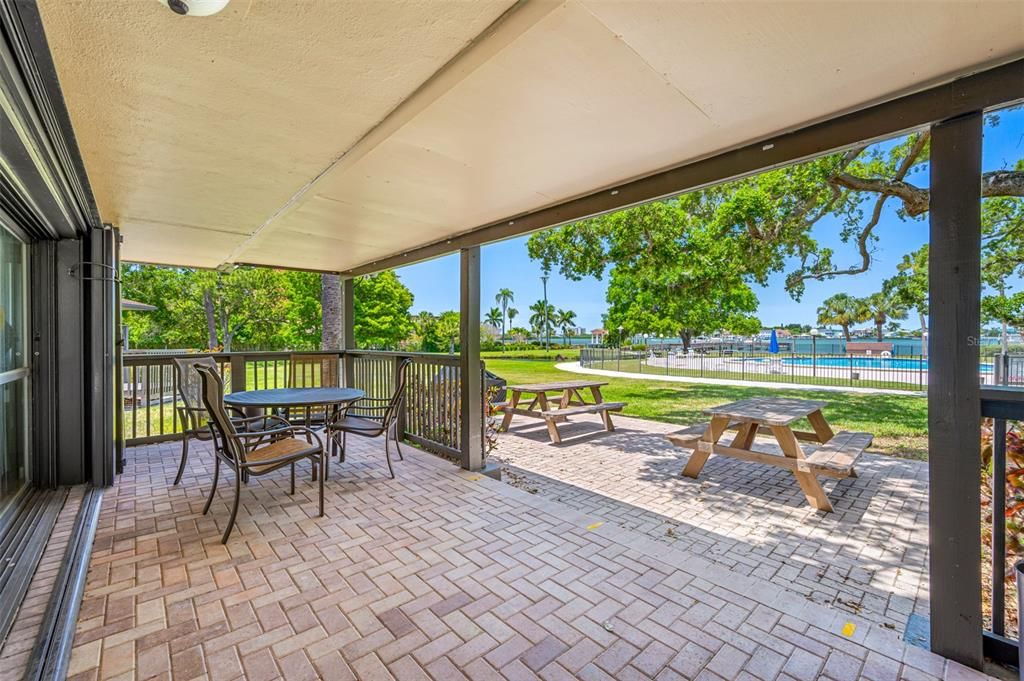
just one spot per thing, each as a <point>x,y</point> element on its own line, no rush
<point>326,134</point>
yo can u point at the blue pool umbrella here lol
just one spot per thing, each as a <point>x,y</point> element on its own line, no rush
<point>773,344</point>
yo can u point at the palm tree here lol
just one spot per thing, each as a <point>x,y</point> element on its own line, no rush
<point>565,320</point>
<point>422,319</point>
<point>331,310</point>
<point>543,315</point>
<point>882,307</point>
<point>494,317</point>
<point>504,298</point>
<point>843,310</point>
<point>511,314</point>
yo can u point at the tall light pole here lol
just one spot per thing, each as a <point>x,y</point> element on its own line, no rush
<point>547,327</point>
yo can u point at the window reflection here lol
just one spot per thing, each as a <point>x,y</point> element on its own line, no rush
<point>13,367</point>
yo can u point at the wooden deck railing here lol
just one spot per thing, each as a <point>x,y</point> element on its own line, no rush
<point>430,418</point>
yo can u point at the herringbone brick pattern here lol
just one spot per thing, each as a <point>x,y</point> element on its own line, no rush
<point>437,575</point>
<point>869,558</point>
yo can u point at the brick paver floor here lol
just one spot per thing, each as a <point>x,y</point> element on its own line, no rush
<point>440,574</point>
<point>869,557</point>
<point>17,648</point>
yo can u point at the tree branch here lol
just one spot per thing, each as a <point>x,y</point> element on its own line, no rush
<point>803,212</point>
<point>1002,183</point>
<point>915,200</point>
<point>862,247</point>
<point>864,237</point>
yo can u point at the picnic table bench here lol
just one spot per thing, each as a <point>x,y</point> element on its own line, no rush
<point>568,401</point>
<point>835,457</point>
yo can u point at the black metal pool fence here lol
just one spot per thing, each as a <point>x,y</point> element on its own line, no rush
<point>882,371</point>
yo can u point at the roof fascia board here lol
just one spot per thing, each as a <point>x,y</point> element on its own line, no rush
<point>995,87</point>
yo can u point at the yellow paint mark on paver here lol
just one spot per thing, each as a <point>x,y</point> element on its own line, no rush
<point>473,478</point>
<point>594,526</point>
<point>849,628</point>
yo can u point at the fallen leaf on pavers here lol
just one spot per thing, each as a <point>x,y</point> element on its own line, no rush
<point>853,605</point>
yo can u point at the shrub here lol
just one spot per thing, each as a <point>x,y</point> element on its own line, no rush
<point>1014,518</point>
<point>993,350</point>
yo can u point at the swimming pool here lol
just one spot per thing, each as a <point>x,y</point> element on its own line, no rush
<point>894,363</point>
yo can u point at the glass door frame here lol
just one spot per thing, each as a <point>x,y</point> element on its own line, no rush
<point>24,372</point>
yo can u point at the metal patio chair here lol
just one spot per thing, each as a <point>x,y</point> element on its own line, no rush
<point>266,444</point>
<point>191,410</point>
<point>373,417</point>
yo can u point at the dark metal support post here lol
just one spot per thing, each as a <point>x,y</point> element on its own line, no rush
<point>999,527</point>
<point>98,273</point>
<point>348,330</point>
<point>470,385</point>
<point>954,407</point>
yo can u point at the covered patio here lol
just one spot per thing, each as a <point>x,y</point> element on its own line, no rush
<point>441,574</point>
<point>349,138</point>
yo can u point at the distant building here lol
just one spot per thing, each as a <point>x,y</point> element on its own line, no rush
<point>597,336</point>
<point>490,331</point>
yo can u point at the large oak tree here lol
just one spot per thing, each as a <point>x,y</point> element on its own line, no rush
<point>671,269</point>
<point>669,258</point>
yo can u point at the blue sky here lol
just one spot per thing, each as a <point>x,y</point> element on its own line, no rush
<point>435,283</point>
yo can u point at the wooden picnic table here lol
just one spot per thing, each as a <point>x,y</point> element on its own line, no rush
<point>834,456</point>
<point>568,401</point>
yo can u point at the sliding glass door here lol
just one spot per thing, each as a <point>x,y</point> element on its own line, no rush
<point>13,367</point>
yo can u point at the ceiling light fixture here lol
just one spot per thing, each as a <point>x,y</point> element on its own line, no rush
<point>195,8</point>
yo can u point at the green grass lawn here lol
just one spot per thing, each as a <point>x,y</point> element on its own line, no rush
<point>899,422</point>
<point>569,353</point>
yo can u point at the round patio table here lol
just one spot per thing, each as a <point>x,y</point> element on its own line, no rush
<point>331,399</point>
<point>294,398</point>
